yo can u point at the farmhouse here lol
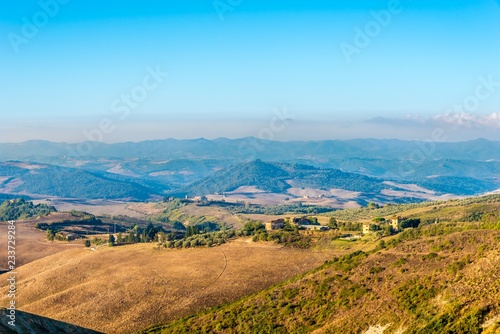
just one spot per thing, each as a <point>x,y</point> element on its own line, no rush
<point>366,228</point>
<point>200,199</point>
<point>396,223</point>
<point>315,227</point>
<point>275,225</point>
<point>66,236</point>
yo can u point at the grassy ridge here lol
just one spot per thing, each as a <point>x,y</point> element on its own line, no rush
<point>438,278</point>
<point>456,206</point>
<point>408,286</point>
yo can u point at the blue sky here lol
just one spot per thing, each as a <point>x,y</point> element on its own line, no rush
<point>234,64</point>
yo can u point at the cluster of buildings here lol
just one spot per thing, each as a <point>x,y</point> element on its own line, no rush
<point>305,224</point>
<point>301,223</point>
<point>395,222</point>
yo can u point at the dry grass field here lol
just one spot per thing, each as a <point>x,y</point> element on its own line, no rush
<point>213,211</point>
<point>104,207</point>
<point>30,242</point>
<point>124,289</point>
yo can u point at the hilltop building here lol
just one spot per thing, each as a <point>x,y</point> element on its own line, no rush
<point>396,223</point>
<point>275,225</point>
<point>366,228</point>
<point>315,227</point>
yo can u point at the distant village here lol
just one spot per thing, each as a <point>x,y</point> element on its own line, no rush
<point>396,224</point>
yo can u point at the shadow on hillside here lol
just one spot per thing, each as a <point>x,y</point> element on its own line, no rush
<point>27,323</point>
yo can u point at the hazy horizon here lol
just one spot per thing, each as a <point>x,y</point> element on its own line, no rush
<point>271,129</point>
<point>382,69</point>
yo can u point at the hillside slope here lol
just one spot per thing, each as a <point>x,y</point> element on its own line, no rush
<point>180,162</point>
<point>440,283</point>
<point>27,323</point>
<point>124,289</point>
<point>277,177</point>
<point>50,180</point>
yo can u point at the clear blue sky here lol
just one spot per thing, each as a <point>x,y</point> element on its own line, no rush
<point>240,65</point>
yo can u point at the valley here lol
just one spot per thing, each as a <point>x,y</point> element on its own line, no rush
<point>336,173</point>
<point>250,167</point>
<point>321,280</point>
<point>186,241</point>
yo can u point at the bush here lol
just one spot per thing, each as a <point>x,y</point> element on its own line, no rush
<point>429,256</point>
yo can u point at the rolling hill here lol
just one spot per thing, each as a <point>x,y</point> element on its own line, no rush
<point>280,177</point>
<point>437,278</point>
<point>386,159</point>
<point>140,170</point>
<point>439,284</point>
<point>124,289</point>
<point>49,180</point>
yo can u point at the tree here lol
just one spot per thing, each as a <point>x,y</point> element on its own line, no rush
<point>189,231</point>
<point>289,227</point>
<point>251,227</point>
<point>332,223</point>
<point>313,220</point>
<point>87,243</point>
<point>111,240</point>
<point>410,222</point>
<point>179,226</point>
<point>388,230</point>
<point>151,231</point>
<point>50,234</point>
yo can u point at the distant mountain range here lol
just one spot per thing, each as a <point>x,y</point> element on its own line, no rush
<point>143,170</point>
<point>251,148</point>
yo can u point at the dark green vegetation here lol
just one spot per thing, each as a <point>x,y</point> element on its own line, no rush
<point>458,185</point>
<point>78,224</point>
<point>21,209</point>
<point>197,239</point>
<point>163,228</point>
<point>129,230</point>
<point>4,197</point>
<point>194,237</point>
<point>50,180</point>
<point>173,216</point>
<point>138,171</point>
<point>274,177</point>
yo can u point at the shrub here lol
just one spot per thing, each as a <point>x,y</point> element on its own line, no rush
<point>429,256</point>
